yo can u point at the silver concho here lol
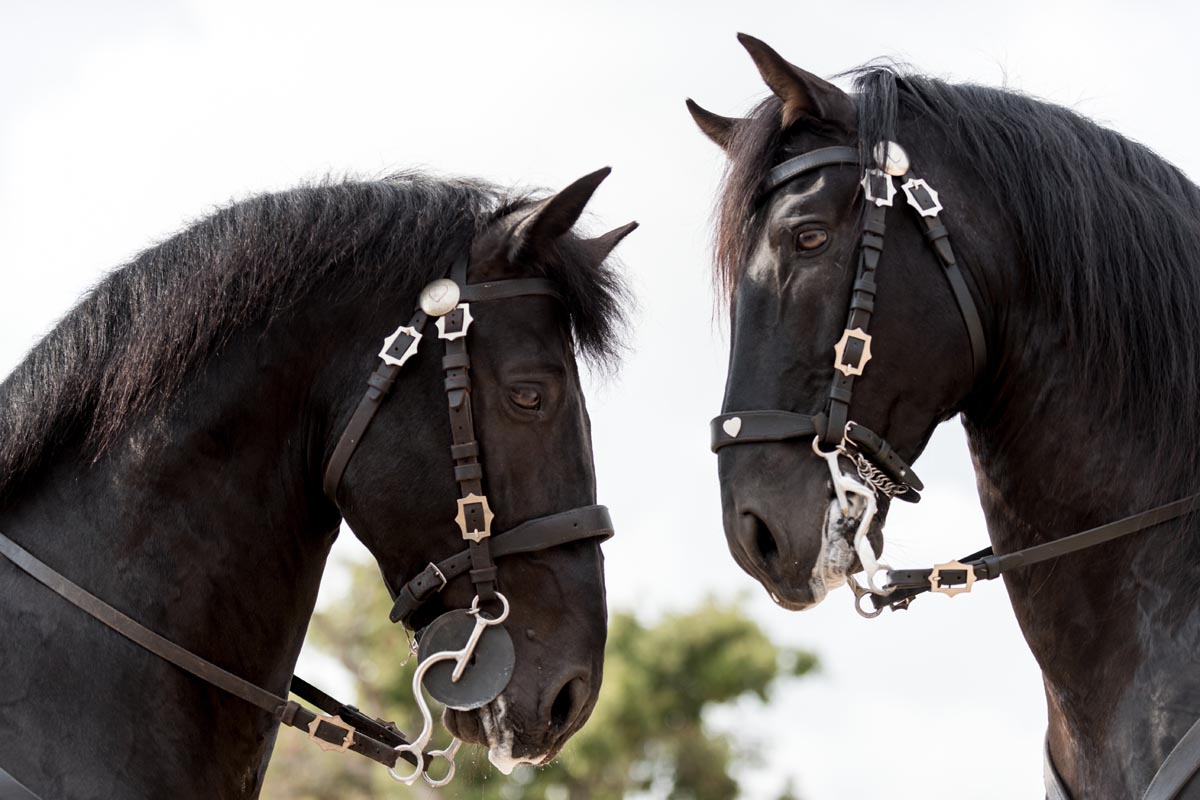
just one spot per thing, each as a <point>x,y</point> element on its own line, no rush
<point>897,160</point>
<point>440,297</point>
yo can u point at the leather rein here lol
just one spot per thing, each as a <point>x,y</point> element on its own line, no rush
<point>343,727</point>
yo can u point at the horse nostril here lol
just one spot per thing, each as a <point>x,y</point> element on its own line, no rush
<point>566,704</point>
<point>764,544</point>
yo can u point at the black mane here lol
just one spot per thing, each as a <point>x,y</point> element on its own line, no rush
<point>135,339</point>
<point>1110,231</point>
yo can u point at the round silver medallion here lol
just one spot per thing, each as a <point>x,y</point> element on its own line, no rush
<point>897,160</point>
<point>440,297</point>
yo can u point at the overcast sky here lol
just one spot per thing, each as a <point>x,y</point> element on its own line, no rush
<point>122,121</point>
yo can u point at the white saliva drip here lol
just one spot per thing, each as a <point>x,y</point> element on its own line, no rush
<point>845,486</point>
<point>836,556</point>
<point>500,737</point>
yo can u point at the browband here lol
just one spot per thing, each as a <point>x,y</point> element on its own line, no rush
<point>811,160</point>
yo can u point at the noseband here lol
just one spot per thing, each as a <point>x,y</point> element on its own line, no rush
<point>834,434</point>
<point>466,656</point>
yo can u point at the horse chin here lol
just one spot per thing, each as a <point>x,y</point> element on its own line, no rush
<point>490,726</point>
<point>837,560</point>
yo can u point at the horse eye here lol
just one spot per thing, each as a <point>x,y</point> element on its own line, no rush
<point>526,397</point>
<point>811,239</point>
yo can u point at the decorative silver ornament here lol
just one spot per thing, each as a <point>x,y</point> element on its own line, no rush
<point>877,177</point>
<point>409,352</point>
<point>896,162</point>
<point>461,332</point>
<point>930,205</point>
<point>732,426</point>
<point>440,297</point>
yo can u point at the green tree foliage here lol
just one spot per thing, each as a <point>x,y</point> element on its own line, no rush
<point>646,735</point>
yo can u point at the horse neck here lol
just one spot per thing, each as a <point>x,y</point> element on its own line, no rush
<point>200,522</point>
<point>1104,624</point>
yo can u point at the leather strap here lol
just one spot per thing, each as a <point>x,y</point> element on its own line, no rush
<point>880,453</point>
<point>1172,777</point>
<point>862,305</point>
<point>909,583</point>
<point>507,289</point>
<point>1056,789</point>
<point>939,240</point>
<point>746,427</point>
<point>286,711</point>
<point>814,159</point>
<point>542,533</point>
<point>379,386</point>
<point>1177,771</point>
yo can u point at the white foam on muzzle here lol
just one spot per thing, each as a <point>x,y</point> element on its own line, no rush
<point>499,734</point>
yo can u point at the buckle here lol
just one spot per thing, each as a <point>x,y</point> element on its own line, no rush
<point>409,352</point>
<point>336,722</point>
<point>877,179</point>
<point>461,518</point>
<point>440,575</point>
<point>839,351</point>
<point>467,319</point>
<point>935,578</point>
<point>922,197</point>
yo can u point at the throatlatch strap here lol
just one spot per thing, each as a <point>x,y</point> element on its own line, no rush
<point>379,386</point>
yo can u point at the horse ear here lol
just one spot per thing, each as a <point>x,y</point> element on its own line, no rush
<point>803,94</point>
<point>714,126</point>
<point>599,248</point>
<point>555,215</point>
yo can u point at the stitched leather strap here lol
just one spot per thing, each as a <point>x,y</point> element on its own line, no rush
<point>542,533</point>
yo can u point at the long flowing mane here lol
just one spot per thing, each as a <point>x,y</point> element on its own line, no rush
<point>1110,232</point>
<point>139,335</point>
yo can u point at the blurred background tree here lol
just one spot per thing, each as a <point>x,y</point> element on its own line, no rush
<point>647,735</point>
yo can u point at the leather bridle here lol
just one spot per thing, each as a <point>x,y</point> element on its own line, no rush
<point>880,469</point>
<point>447,301</point>
<point>343,727</point>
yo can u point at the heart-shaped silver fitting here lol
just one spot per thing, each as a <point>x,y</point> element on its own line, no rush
<point>732,426</point>
<point>440,297</point>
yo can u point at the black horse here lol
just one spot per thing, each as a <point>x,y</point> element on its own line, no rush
<point>164,447</point>
<point>1080,250</point>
